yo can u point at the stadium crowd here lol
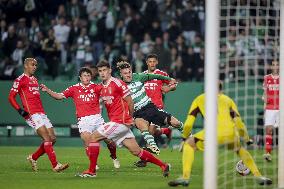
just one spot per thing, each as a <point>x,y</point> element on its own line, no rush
<point>65,35</point>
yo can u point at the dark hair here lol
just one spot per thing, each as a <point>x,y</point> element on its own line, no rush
<point>152,56</point>
<point>85,69</point>
<point>122,64</point>
<point>103,63</point>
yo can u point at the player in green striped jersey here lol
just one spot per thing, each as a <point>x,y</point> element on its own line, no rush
<point>145,112</point>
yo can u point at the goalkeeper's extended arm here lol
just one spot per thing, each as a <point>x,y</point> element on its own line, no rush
<point>242,129</point>
<point>188,126</point>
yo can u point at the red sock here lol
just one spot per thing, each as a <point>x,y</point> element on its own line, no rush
<point>39,152</point>
<point>94,150</point>
<point>165,131</point>
<point>48,148</point>
<point>147,156</point>
<point>268,143</point>
<point>112,149</point>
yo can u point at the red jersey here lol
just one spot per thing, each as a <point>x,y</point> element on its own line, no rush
<point>153,88</point>
<point>271,87</point>
<point>28,89</point>
<point>86,98</point>
<point>113,94</point>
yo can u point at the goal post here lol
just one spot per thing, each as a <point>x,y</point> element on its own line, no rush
<point>281,101</point>
<point>241,40</point>
<point>211,80</point>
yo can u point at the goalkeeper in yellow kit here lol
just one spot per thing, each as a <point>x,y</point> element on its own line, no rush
<point>229,130</point>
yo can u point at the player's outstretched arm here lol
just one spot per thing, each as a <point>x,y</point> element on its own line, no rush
<point>55,95</point>
<point>170,87</point>
<point>242,129</point>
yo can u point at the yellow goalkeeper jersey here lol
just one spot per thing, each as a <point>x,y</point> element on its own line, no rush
<point>227,115</point>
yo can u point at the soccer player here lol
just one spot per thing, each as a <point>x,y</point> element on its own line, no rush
<point>229,130</point>
<point>156,88</point>
<point>271,106</point>
<point>145,112</point>
<point>86,99</point>
<point>119,105</point>
<point>26,85</point>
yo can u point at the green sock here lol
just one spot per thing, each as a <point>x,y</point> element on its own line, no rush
<point>148,138</point>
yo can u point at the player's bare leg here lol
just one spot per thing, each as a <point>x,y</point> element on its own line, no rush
<point>132,146</point>
<point>48,148</point>
<point>268,143</point>
<point>112,149</point>
<point>32,158</point>
<point>174,122</point>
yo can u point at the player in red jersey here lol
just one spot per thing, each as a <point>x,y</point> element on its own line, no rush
<point>86,99</point>
<point>119,105</point>
<point>156,88</point>
<point>271,106</point>
<point>26,85</point>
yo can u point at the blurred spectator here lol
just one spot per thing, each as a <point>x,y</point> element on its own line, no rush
<point>83,52</point>
<point>9,70</point>
<point>22,29</point>
<point>18,54</point>
<point>10,42</point>
<point>61,32</point>
<point>136,28</point>
<point>138,61</point>
<point>75,9</point>
<point>189,23</point>
<point>150,12</point>
<point>174,30</point>
<point>94,7</point>
<point>147,44</point>
<point>119,33</point>
<point>155,30</point>
<point>108,54</point>
<point>51,49</point>
<point>74,31</point>
<point>126,48</point>
<point>163,55</point>
<point>34,29</point>
<point>3,30</point>
<point>180,45</point>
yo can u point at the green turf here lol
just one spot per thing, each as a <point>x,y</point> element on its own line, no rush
<point>15,172</point>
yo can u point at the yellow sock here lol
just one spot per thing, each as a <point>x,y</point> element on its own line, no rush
<point>249,162</point>
<point>187,160</point>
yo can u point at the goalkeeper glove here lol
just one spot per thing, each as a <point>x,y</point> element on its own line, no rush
<point>23,113</point>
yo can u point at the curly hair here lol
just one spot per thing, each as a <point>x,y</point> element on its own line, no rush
<point>122,64</point>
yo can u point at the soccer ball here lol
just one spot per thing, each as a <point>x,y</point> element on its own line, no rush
<point>242,169</point>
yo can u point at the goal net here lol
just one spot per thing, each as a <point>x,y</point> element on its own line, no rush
<point>249,41</point>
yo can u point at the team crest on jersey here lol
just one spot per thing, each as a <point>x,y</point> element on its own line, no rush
<point>109,90</point>
<point>107,99</point>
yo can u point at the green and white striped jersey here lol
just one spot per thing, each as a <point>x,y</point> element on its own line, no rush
<point>137,89</point>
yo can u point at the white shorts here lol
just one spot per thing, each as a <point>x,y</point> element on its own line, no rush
<point>271,117</point>
<point>90,123</point>
<point>38,120</point>
<point>115,132</point>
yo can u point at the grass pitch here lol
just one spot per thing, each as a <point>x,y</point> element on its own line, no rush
<point>16,173</point>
